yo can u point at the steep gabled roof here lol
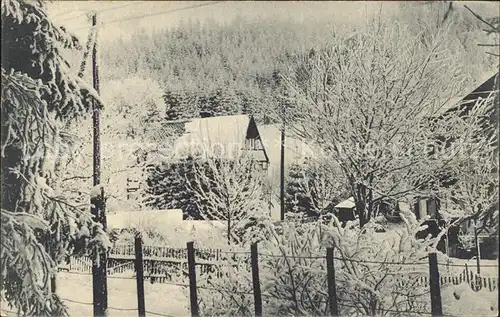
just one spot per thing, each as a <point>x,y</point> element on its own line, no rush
<point>222,136</point>
<point>481,89</point>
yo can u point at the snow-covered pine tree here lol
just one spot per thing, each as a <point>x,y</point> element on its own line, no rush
<point>172,101</point>
<point>219,102</point>
<point>297,200</point>
<point>40,95</point>
<point>166,188</point>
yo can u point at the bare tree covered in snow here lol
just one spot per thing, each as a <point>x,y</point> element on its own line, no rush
<point>316,187</point>
<point>369,102</point>
<point>229,191</point>
<point>474,195</point>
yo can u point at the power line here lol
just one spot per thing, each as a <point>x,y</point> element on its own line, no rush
<point>164,12</point>
<point>158,314</point>
<point>154,14</point>
<point>64,13</point>
<point>90,304</point>
<point>100,11</point>
<point>76,302</point>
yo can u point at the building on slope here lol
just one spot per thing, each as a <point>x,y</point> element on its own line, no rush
<point>430,208</point>
<point>224,137</point>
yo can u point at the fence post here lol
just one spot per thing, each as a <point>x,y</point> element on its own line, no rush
<point>436,304</point>
<point>53,280</point>
<point>193,296</point>
<point>255,279</point>
<point>332,293</point>
<point>139,269</point>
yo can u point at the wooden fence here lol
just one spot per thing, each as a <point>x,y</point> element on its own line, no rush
<point>177,265</point>
<point>475,281</point>
<point>166,264</point>
<point>161,264</point>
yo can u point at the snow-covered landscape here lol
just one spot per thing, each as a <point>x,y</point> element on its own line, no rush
<point>246,158</point>
<point>76,292</point>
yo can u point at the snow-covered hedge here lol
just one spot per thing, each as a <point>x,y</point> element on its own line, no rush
<point>375,272</point>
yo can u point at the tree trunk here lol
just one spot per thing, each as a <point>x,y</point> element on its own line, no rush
<point>360,208</point>
<point>228,230</point>
<point>360,201</point>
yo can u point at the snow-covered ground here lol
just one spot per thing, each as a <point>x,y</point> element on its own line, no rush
<point>489,268</point>
<point>162,299</point>
<point>171,300</point>
<point>76,291</point>
<point>461,300</point>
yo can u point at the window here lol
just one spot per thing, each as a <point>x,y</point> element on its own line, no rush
<point>432,207</point>
<point>427,207</point>
<point>258,145</point>
<point>422,208</point>
<point>264,165</point>
<point>253,144</point>
<point>133,185</point>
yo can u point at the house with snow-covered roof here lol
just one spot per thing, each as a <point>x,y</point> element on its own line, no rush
<point>221,137</point>
<point>296,150</point>
<point>485,90</point>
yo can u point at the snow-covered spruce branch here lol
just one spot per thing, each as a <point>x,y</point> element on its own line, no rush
<point>33,113</point>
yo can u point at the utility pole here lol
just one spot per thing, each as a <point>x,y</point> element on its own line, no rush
<point>99,266</point>
<point>282,167</point>
<point>478,250</point>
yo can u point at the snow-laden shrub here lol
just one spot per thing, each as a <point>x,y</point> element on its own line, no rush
<point>150,237</point>
<point>227,290</point>
<point>376,272</point>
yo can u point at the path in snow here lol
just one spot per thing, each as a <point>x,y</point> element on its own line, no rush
<point>122,293</point>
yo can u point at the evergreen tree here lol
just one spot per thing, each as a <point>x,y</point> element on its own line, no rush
<point>172,102</point>
<point>166,188</point>
<point>250,56</point>
<point>297,199</point>
<point>39,226</point>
